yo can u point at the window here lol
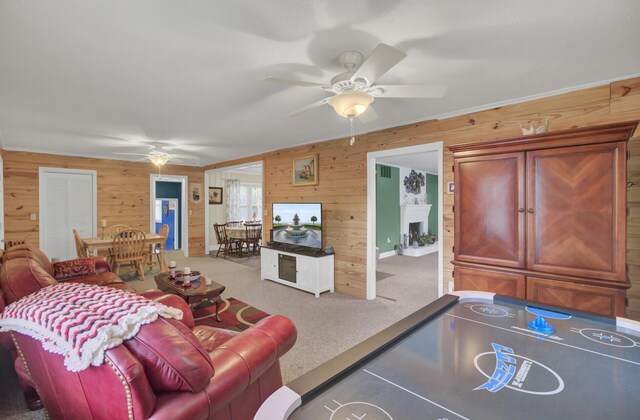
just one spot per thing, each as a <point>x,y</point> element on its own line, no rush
<point>158,211</point>
<point>250,201</point>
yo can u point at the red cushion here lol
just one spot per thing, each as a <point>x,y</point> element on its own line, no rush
<point>172,357</point>
<point>109,279</point>
<point>80,267</point>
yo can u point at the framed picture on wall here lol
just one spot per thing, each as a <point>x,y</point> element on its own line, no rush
<point>195,193</point>
<point>305,171</point>
<point>215,195</point>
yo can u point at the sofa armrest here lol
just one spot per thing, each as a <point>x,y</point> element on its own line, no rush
<point>3,302</point>
<point>177,302</point>
<point>244,358</point>
<point>151,294</point>
<point>102,265</point>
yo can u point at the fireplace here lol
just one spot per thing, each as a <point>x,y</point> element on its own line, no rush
<point>414,220</point>
<point>415,229</point>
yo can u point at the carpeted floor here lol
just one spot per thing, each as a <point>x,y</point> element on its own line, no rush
<point>327,326</point>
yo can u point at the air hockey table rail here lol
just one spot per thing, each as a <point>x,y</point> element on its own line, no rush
<point>476,355</point>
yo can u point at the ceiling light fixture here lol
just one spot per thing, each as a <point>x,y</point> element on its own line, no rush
<point>159,159</point>
<point>350,104</point>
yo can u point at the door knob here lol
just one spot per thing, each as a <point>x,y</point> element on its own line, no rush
<point>521,210</point>
<point>530,211</point>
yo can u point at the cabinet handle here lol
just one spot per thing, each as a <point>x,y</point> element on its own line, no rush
<point>530,211</point>
<point>521,210</point>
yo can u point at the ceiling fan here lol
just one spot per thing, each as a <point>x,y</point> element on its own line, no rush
<point>160,152</point>
<point>354,90</point>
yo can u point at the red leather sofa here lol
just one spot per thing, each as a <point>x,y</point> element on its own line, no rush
<point>25,270</point>
<point>170,369</point>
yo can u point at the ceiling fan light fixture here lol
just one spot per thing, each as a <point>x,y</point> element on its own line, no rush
<point>159,159</point>
<point>350,104</point>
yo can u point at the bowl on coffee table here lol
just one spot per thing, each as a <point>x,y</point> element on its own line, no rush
<point>180,277</point>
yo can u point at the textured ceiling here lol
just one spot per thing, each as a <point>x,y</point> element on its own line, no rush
<point>119,78</point>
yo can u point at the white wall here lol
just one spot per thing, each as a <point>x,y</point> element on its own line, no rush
<point>216,212</point>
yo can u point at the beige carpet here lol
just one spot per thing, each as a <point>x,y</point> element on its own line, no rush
<point>326,326</point>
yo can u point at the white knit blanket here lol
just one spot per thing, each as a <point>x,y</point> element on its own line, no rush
<point>81,321</point>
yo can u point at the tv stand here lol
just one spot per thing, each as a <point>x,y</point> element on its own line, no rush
<point>306,269</point>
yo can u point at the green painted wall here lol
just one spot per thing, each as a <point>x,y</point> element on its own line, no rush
<point>431,184</point>
<point>387,209</point>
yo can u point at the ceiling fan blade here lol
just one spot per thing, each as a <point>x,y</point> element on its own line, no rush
<point>412,91</point>
<point>292,82</point>
<point>378,63</point>
<point>369,115</point>
<point>308,107</point>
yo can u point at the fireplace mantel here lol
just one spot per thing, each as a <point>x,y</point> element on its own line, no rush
<point>414,213</point>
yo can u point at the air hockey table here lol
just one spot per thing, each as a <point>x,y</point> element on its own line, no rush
<point>476,355</point>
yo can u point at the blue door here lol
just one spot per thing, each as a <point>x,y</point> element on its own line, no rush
<point>169,217</point>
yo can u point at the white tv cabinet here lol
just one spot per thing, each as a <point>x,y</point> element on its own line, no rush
<point>305,270</point>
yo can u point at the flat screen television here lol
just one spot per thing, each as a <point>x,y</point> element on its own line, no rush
<point>298,224</point>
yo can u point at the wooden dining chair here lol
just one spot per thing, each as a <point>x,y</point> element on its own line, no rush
<point>129,247</point>
<point>81,248</point>
<point>111,232</point>
<point>252,238</point>
<point>226,245</point>
<point>157,249</point>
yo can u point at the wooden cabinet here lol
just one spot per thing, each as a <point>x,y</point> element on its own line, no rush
<point>543,217</point>
<point>576,210</point>
<point>584,297</point>
<point>488,195</point>
<point>508,284</point>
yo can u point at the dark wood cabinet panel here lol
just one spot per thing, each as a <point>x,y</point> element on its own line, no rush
<point>599,300</point>
<point>506,284</point>
<point>575,204</point>
<point>489,211</point>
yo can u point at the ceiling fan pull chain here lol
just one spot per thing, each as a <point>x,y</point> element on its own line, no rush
<point>353,137</point>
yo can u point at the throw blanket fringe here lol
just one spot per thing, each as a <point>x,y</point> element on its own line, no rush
<point>80,321</point>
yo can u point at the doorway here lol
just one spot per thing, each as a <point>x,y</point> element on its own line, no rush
<point>169,202</point>
<point>68,200</point>
<point>249,179</point>
<point>435,227</point>
<point>169,206</point>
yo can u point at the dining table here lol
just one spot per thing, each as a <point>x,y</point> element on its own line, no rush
<point>238,234</point>
<point>101,244</point>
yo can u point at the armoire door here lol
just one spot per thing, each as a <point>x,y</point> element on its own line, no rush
<point>576,210</point>
<point>489,214</point>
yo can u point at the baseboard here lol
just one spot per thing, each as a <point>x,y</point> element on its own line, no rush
<point>211,248</point>
<point>387,254</point>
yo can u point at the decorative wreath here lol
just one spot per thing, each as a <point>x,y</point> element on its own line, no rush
<point>413,182</point>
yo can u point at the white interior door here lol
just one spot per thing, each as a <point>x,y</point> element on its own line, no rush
<point>67,201</point>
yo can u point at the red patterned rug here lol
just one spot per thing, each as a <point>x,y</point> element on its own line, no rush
<point>236,315</point>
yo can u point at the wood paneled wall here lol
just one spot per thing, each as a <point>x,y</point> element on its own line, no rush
<point>343,183</point>
<point>123,193</point>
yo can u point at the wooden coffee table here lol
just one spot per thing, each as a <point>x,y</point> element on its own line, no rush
<point>197,293</point>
